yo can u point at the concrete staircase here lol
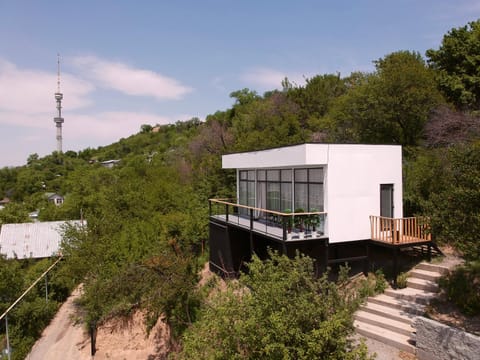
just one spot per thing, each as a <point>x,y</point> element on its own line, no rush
<point>389,317</point>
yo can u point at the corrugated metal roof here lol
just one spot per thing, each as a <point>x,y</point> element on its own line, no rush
<point>32,240</point>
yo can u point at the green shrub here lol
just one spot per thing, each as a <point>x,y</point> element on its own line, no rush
<point>462,287</point>
<point>380,282</point>
<point>402,280</point>
<point>375,283</point>
<point>278,310</point>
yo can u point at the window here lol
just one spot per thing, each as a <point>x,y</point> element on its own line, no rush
<point>246,189</point>
<point>309,189</point>
<point>282,189</point>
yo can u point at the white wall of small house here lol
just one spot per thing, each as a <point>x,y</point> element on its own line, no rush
<point>353,175</point>
<point>352,189</point>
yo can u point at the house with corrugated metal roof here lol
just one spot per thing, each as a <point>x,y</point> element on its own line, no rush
<point>33,240</point>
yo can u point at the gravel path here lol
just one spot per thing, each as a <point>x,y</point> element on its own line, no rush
<point>63,339</point>
<point>385,352</point>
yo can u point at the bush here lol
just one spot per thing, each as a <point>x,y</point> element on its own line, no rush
<point>462,287</point>
<point>375,283</point>
<point>279,310</point>
<point>402,280</point>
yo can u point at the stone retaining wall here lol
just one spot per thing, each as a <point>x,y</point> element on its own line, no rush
<point>436,341</point>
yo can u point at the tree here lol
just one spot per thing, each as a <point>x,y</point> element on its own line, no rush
<point>457,65</point>
<point>316,97</point>
<point>244,96</point>
<point>389,106</point>
<point>145,128</point>
<point>455,210</point>
<point>277,310</point>
<point>267,122</point>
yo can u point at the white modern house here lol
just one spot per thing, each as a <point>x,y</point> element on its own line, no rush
<point>314,198</point>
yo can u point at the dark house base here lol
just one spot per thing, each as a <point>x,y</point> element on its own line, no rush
<point>231,247</point>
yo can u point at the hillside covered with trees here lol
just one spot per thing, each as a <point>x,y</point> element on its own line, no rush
<point>147,216</point>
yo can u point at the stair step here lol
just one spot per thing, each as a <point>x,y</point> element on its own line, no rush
<point>432,267</point>
<point>422,284</point>
<point>399,341</point>
<point>400,304</point>
<point>385,323</point>
<point>411,294</point>
<point>388,312</point>
<point>425,274</point>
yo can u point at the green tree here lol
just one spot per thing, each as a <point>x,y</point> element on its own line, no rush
<point>390,106</point>
<point>145,128</point>
<point>455,210</point>
<point>317,96</point>
<point>14,213</point>
<point>457,65</point>
<point>267,122</point>
<point>277,310</point>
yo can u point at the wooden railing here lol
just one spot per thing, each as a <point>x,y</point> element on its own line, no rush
<point>267,221</point>
<point>401,230</point>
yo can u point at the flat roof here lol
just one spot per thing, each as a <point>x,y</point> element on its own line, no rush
<point>308,154</point>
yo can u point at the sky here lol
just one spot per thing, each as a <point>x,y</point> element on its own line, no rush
<point>125,63</point>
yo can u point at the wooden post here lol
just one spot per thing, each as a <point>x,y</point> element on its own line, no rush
<point>251,233</point>
<point>366,264</point>
<point>93,337</point>
<point>8,338</point>
<point>395,267</point>
<point>326,257</point>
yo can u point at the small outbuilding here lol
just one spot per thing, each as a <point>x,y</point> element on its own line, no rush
<point>55,198</point>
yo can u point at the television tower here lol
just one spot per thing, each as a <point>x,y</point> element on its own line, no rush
<point>59,119</point>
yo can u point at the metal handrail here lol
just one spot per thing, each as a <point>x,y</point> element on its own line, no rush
<point>274,212</point>
<point>283,220</point>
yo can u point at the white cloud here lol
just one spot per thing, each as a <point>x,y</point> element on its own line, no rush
<point>27,108</point>
<point>27,91</point>
<point>129,80</point>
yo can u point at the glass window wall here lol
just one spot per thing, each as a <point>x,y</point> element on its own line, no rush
<point>282,190</point>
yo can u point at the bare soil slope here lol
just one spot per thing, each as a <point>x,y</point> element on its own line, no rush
<point>116,339</point>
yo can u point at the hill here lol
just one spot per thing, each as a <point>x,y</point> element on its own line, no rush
<point>148,214</point>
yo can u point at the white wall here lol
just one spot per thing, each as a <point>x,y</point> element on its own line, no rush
<point>352,181</point>
<point>354,175</point>
<point>289,156</point>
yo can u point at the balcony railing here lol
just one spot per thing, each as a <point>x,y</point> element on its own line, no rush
<point>401,230</point>
<point>286,226</point>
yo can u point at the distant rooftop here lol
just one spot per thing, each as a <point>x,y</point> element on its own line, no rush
<point>33,240</point>
<point>110,163</point>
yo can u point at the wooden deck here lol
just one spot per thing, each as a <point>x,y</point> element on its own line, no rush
<point>400,231</point>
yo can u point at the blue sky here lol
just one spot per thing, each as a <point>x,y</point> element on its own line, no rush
<point>127,63</point>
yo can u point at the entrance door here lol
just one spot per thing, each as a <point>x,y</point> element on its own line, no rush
<point>386,200</point>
